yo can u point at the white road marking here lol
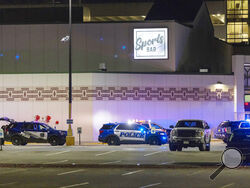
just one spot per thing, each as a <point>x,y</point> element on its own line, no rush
<point>5,184</point>
<point>170,162</point>
<point>70,172</point>
<point>152,153</point>
<point>228,185</point>
<point>14,171</point>
<point>105,153</point>
<point>50,154</point>
<point>133,172</point>
<point>195,173</point>
<point>55,162</point>
<point>150,185</point>
<point>111,162</point>
<point>75,185</point>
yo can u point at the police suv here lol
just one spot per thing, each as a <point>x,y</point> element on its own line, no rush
<point>21,133</point>
<point>124,133</point>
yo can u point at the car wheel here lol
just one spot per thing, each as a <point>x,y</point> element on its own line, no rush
<point>24,143</point>
<point>61,143</point>
<point>202,147</point>
<point>2,141</point>
<point>53,141</point>
<point>208,147</point>
<point>113,141</point>
<point>172,147</point>
<point>179,148</point>
<point>154,141</point>
<point>16,140</point>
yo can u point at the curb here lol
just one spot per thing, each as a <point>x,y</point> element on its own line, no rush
<point>170,166</point>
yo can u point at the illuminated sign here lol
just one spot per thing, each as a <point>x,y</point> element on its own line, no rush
<point>151,43</point>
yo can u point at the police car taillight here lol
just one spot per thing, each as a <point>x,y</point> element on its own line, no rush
<point>101,131</point>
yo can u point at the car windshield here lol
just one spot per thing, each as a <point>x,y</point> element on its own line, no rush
<point>46,126</point>
<point>156,126</point>
<point>197,124</point>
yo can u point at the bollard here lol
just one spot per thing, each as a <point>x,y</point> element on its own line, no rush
<point>79,131</point>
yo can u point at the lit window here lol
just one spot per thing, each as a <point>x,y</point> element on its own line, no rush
<point>218,19</point>
<point>237,32</point>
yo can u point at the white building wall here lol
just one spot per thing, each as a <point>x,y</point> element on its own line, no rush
<point>102,97</point>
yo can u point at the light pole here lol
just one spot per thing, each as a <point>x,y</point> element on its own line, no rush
<point>70,140</point>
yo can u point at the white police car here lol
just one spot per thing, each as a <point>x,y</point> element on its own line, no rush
<point>124,133</point>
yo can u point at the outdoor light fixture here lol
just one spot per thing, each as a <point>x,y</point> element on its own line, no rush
<point>219,85</point>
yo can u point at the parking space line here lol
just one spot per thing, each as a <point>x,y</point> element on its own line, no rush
<point>105,153</point>
<point>150,185</point>
<point>196,172</point>
<point>55,162</point>
<point>170,162</point>
<point>133,172</point>
<point>111,162</point>
<point>76,185</point>
<point>70,172</point>
<point>50,154</point>
<point>14,171</point>
<point>152,153</point>
<point>5,184</point>
<point>228,185</point>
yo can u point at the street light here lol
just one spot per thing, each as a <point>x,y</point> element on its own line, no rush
<point>70,140</point>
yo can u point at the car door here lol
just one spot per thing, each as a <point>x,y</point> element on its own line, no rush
<point>32,131</point>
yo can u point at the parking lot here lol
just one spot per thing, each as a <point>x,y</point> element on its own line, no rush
<point>104,154</point>
<point>97,165</point>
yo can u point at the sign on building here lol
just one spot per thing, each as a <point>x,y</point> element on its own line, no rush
<point>151,43</point>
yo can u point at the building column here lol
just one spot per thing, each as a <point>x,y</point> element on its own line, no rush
<point>238,69</point>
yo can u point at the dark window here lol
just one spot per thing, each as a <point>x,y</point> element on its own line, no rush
<point>107,126</point>
<point>197,124</point>
<point>28,127</point>
<point>245,125</point>
<point>127,127</point>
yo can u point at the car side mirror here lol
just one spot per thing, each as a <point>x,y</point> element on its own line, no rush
<point>171,126</point>
<point>207,127</point>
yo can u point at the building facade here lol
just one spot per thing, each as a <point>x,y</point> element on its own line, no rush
<point>159,69</point>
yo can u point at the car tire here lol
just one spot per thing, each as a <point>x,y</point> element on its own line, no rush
<point>202,147</point>
<point>16,140</point>
<point>179,148</point>
<point>208,147</point>
<point>113,141</point>
<point>53,141</point>
<point>154,141</point>
<point>24,143</point>
<point>172,147</point>
<point>61,143</point>
<point>2,141</point>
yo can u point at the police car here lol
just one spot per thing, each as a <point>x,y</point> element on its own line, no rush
<point>125,133</point>
<point>21,133</point>
<point>154,126</point>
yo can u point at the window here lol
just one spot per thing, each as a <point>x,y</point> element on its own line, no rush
<point>237,9</point>
<point>218,19</point>
<point>245,125</point>
<point>28,127</point>
<point>237,32</point>
<point>190,124</point>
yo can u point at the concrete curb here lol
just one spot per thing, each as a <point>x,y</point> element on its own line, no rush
<point>168,166</point>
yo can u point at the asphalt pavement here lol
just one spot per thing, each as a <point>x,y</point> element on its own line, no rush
<point>125,166</point>
<point>99,155</point>
<point>121,178</point>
